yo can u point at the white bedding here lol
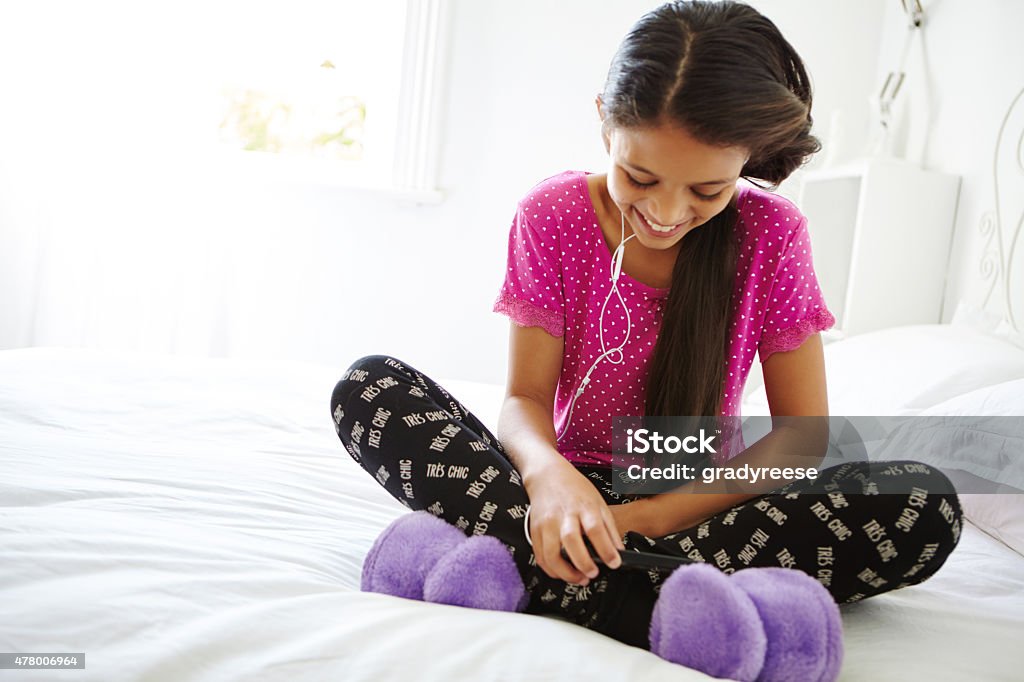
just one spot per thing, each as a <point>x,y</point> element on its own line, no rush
<point>197,520</point>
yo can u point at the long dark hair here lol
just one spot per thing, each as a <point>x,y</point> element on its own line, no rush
<point>724,73</point>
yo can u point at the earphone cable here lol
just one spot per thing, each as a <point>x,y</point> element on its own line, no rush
<point>616,270</point>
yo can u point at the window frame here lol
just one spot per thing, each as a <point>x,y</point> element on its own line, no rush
<point>414,165</point>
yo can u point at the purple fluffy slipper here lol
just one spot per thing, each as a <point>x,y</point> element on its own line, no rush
<point>759,624</point>
<point>420,556</point>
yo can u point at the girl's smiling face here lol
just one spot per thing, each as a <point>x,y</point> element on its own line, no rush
<point>667,183</point>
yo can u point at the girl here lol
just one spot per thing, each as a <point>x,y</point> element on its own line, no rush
<point>698,95</point>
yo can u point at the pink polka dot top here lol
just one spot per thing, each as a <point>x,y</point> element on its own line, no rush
<point>558,278</point>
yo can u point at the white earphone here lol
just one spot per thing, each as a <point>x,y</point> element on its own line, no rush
<point>605,353</point>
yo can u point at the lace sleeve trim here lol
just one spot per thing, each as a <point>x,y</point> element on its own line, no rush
<point>793,337</point>
<point>527,314</point>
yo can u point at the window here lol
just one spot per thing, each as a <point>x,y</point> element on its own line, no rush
<point>332,91</point>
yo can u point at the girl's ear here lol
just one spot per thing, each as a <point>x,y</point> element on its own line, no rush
<point>604,125</point>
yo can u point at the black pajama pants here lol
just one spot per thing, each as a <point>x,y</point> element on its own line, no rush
<point>855,528</point>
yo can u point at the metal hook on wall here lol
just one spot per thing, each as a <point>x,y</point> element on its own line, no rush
<point>915,13</point>
<point>893,81</point>
<point>886,97</point>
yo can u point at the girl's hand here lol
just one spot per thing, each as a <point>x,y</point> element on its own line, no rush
<point>565,507</point>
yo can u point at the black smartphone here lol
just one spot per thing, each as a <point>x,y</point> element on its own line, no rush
<point>645,561</point>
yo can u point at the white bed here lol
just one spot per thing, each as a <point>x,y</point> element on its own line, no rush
<point>197,520</point>
<point>189,520</point>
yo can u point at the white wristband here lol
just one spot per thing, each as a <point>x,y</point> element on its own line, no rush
<point>526,525</point>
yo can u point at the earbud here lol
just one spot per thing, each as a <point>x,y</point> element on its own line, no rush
<point>621,250</point>
<point>617,268</point>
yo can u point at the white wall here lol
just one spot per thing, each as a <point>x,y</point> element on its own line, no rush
<point>957,90</point>
<point>325,275</point>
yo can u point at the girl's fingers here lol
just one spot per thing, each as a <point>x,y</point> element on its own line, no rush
<point>553,562</point>
<point>613,527</point>
<point>572,540</point>
<point>603,540</point>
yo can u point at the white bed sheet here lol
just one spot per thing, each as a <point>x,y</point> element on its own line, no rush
<point>197,520</point>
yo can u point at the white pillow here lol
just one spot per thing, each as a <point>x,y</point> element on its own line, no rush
<point>1005,399</point>
<point>981,432</point>
<point>998,514</point>
<point>1001,515</point>
<point>903,370</point>
<point>969,315</point>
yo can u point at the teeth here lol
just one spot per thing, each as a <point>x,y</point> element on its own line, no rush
<point>656,227</point>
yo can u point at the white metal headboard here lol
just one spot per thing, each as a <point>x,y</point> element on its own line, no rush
<point>1002,260</point>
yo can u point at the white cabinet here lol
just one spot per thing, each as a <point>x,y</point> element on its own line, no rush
<point>881,231</point>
